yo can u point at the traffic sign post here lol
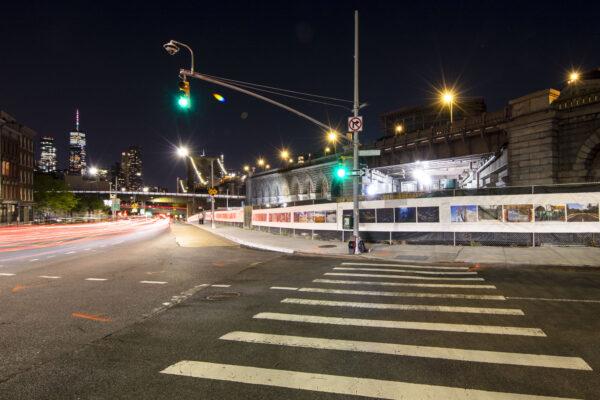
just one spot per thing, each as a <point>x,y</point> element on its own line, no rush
<point>355,124</point>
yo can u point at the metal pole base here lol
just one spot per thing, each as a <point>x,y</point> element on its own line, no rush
<point>356,245</point>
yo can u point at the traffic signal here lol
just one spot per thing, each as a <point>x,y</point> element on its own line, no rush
<point>340,169</point>
<point>184,94</point>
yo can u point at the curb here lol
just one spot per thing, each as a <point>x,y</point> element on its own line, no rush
<point>246,243</point>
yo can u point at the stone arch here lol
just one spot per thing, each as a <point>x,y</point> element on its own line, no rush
<point>275,193</point>
<point>296,189</point>
<point>322,188</point>
<point>309,186</point>
<point>588,157</point>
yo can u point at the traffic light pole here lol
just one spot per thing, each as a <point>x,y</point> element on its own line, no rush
<point>355,142</point>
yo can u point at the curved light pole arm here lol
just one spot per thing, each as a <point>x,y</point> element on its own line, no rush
<point>189,48</point>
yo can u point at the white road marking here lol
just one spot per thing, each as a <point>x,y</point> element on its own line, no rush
<point>103,245</point>
<point>6,274</point>
<point>426,326</point>
<point>405,307</point>
<point>493,357</point>
<point>430,285</point>
<point>33,259</point>
<point>366,387</point>
<point>166,304</point>
<point>404,270</point>
<point>71,252</point>
<point>407,266</point>
<point>53,255</point>
<point>154,282</point>
<point>283,288</point>
<point>544,299</point>
<point>87,249</point>
<point>95,279</point>
<point>402,294</point>
<point>49,277</point>
<point>220,285</point>
<point>402,277</point>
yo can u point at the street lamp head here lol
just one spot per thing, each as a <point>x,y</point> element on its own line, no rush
<point>246,168</point>
<point>93,171</point>
<point>285,154</point>
<point>261,162</point>
<point>447,97</point>
<point>267,166</point>
<point>171,47</point>
<point>327,149</point>
<point>182,152</point>
<point>146,189</point>
<point>574,76</point>
<point>399,128</point>
<point>332,136</point>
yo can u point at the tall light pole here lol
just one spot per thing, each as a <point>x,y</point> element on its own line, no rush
<point>355,109</point>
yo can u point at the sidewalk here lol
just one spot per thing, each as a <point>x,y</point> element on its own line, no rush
<point>419,254</point>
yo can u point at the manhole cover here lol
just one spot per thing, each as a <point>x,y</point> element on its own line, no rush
<point>222,296</point>
<point>327,246</point>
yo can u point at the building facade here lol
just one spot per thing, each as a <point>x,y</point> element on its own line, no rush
<point>77,150</point>
<point>16,171</point>
<point>130,174</point>
<point>47,161</point>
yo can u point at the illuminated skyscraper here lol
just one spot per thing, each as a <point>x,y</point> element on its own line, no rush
<point>131,169</point>
<point>77,153</point>
<point>47,162</point>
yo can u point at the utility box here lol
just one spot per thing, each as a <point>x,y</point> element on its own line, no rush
<point>348,222</point>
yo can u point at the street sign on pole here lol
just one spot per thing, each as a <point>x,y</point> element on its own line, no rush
<point>356,172</point>
<point>355,124</point>
<point>369,153</point>
<point>212,191</point>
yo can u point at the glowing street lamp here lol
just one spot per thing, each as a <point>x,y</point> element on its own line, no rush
<point>285,155</point>
<point>246,168</point>
<point>449,99</point>
<point>261,162</point>
<point>573,77</point>
<point>93,171</point>
<point>182,152</point>
<point>399,128</point>
<point>332,136</point>
<point>327,150</point>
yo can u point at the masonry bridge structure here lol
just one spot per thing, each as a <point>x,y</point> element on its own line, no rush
<point>548,137</point>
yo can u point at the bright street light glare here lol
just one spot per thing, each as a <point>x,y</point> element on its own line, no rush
<point>182,152</point>
<point>285,154</point>
<point>261,162</point>
<point>93,171</point>
<point>332,136</point>
<point>447,97</point>
<point>246,168</point>
<point>573,77</point>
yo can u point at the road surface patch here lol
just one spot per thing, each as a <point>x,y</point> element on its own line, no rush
<point>492,357</point>
<point>367,387</point>
<point>427,326</point>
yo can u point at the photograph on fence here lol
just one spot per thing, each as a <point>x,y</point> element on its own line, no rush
<point>310,216</point>
<point>331,216</point>
<point>385,215</point>
<point>366,216</point>
<point>463,213</point>
<point>549,212</point>
<point>262,217</point>
<point>518,213</point>
<point>489,213</point>
<point>279,217</point>
<point>428,214</point>
<point>320,217</point>
<point>300,216</point>
<point>406,214</point>
<point>586,212</point>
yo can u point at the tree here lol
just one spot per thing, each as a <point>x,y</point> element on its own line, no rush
<point>89,204</point>
<point>52,194</point>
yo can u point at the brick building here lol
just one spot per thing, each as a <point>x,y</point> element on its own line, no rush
<point>16,171</point>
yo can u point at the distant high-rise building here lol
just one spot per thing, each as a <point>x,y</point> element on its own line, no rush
<point>47,162</point>
<point>77,151</point>
<point>131,169</point>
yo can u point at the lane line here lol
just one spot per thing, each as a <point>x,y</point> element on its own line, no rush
<point>430,285</point>
<point>53,255</point>
<point>220,285</point>
<point>49,277</point>
<point>405,307</point>
<point>545,299</point>
<point>34,259</point>
<point>283,288</point>
<point>407,266</point>
<point>403,270</point>
<point>95,279</point>
<point>154,282</point>
<point>87,249</point>
<point>425,326</point>
<point>71,252</point>
<point>338,384</point>
<point>402,294</point>
<point>402,277</point>
<point>492,357</point>
<point>6,274</point>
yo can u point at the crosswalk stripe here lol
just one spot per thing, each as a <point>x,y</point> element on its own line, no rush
<point>367,387</point>
<point>402,277</point>
<point>95,279</point>
<point>49,277</point>
<point>427,326</point>
<point>404,270</point>
<point>429,285</point>
<point>403,294</point>
<point>283,288</point>
<point>407,266</point>
<point>405,307</point>
<point>6,274</point>
<point>154,282</point>
<point>492,357</point>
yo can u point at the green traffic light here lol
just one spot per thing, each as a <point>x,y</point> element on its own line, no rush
<point>184,102</point>
<point>341,172</point>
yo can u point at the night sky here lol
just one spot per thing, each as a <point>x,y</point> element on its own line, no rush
<point>107,60</point>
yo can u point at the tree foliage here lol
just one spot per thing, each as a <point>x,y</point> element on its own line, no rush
<point>89,204</point>
<point>52,194</point>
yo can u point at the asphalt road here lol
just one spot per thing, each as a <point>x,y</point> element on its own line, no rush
<point>259,325</point>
